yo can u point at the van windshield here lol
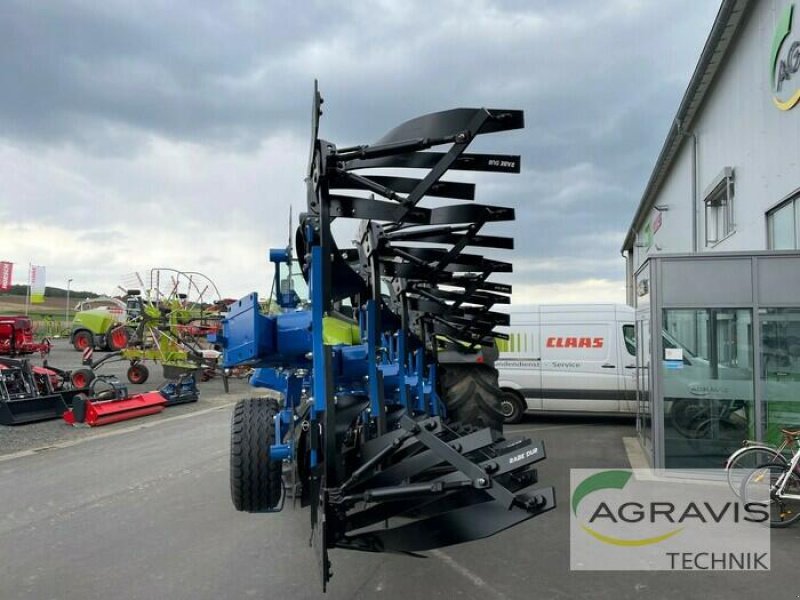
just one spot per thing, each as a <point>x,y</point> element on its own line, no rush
<point>669,341</point>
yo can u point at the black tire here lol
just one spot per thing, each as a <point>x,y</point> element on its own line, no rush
<point>83,339</point>
<point>746,460</point>
<point>118,338</point>
<point>471,395</point>
<point>138,373</point>
<point>782,512</point>
<point>79,407</point>
<point>255,479</point>
<point>81,378</point>
<point>513,406</point>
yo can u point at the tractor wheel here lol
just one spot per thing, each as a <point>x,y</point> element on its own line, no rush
<point>82,340</point>
<point>138,373</point>
<point>81,378</point>
<point>513,406</point>
<point>471,395</point>
<point>118,338</point>
<point>255,479</point>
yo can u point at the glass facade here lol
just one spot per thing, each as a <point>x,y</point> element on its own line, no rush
<point>718,354</point>
<point>780,370</point>
<point>708,385</point>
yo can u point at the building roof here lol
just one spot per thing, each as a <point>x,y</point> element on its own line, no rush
<point>732,13</point>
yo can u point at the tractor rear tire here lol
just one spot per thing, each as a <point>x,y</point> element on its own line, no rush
<point>81,378</point>
<point>471,395</point>
<point>138,373</point>
<point>82,340</point>
<point>118,338</point>
<point>256,484</point>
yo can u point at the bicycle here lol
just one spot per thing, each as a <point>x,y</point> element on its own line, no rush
<point>753,455</point>
<point>695,418</point>
<point>784,486</point>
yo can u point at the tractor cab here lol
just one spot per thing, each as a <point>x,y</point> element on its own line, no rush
<point>133,305</point>
<point>289,288</point>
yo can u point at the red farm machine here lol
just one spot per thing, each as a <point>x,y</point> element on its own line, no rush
<point>16,337</point>
<point>29,393</point>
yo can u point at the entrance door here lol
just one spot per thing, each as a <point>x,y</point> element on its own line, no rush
<point>627,367</point>
<point>644,416</point>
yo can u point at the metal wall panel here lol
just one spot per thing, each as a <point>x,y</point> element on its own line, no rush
<point>778,281</point>
<point>706,282</point>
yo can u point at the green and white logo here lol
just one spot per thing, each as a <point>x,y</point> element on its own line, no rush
<point>633,520</point>
<point>785,62</point>
<point>609,480</point>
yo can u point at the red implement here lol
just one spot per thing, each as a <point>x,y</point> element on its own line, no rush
<point>102,412</point>
<point>16,337</point>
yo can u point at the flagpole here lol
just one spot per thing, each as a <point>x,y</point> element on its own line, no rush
<point>28,292</point>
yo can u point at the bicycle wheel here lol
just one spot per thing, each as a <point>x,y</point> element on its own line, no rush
<point>782,511</point>
<point>686,414</point>
<point>742,462</point>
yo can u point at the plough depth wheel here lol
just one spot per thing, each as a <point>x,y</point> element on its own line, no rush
<point>255,479</point>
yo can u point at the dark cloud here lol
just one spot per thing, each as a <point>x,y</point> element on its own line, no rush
<point>599,82</point>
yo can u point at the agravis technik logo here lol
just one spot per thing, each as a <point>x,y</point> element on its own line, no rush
<point>631,519</point>
<point>785,62</point>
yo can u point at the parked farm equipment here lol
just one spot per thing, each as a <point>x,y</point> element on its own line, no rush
<point>29,393</point>
<point>190,299</point>
<point>389,426</point>
<point>107,401</point>
<point>103,327</point>
<point>164,325</point>
<point>16,337</point>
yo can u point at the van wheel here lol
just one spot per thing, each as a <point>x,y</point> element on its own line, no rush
<point>471,395</point>
<point>513,407</point>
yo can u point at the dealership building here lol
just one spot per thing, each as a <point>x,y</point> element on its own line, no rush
<point>712,252</point>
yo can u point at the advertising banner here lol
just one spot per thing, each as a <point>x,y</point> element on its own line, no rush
<point>633,520</point>
<point>37,284</point>
<point>6,268</point>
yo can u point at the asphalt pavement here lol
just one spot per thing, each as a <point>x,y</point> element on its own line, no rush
<point>145,513</point>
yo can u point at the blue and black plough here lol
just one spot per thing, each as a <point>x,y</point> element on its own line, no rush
<point>388,425</point>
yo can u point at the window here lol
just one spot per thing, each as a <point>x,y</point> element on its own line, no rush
<point>719,208</point>
<point>629,335</point>
<point>783,224</point>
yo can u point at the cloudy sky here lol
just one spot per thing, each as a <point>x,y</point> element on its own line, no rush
<point>143,134</point>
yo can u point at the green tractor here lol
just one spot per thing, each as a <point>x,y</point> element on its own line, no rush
<point>105,329</point>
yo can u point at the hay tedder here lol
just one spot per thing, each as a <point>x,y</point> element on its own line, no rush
<point>389,426</point>
<point>163,325</point>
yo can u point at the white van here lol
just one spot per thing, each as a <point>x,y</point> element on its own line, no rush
<point>569,358</point>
